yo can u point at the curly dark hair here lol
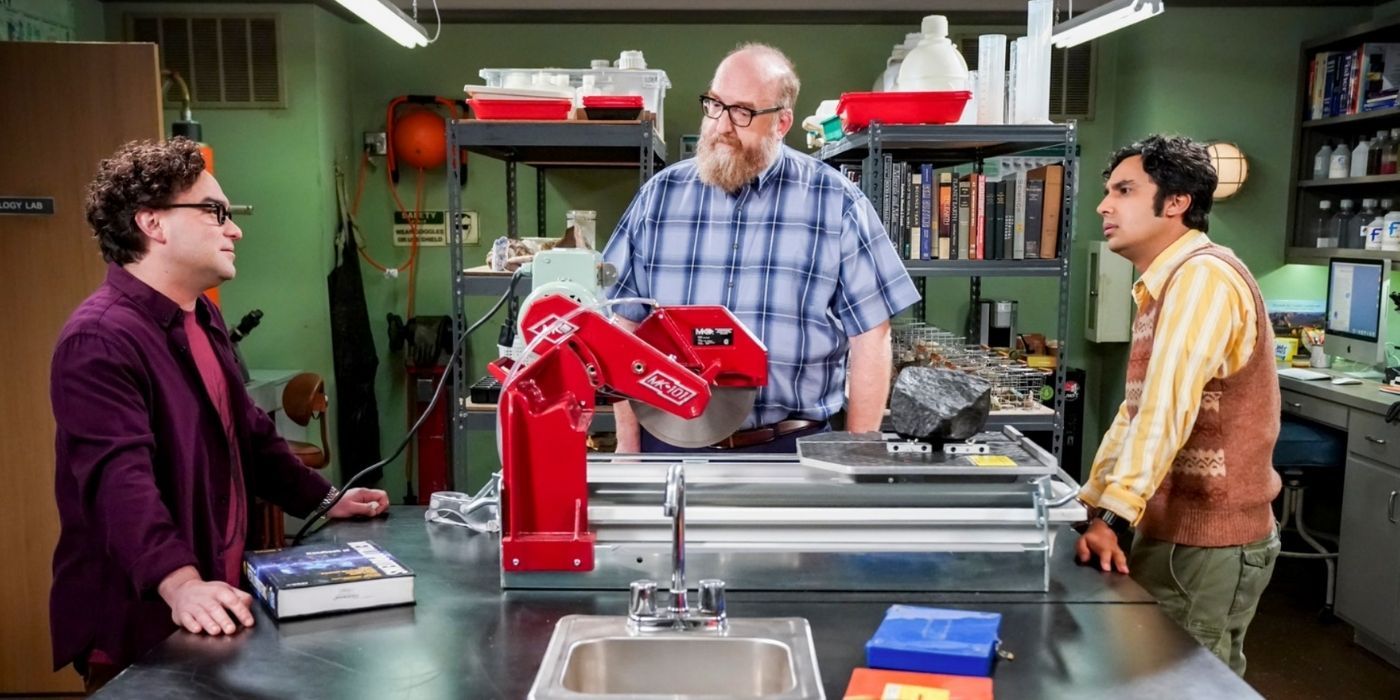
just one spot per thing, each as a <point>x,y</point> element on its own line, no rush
<point>140,174</point>
<point>1178,166</point>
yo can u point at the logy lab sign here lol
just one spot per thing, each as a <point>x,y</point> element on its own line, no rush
<point>32,206</point>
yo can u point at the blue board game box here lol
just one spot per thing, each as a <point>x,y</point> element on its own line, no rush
<point>935,640</point>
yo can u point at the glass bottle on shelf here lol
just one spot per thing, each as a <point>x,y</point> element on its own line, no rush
<point>1388,156</point>
<point>1373,154</point>
<point>1340,223</point>
<point>1320,225</point>
<point>1371,215</point>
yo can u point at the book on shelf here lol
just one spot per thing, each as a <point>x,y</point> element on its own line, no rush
<point>1362,79</point>
<point>1035,207</point>
<point>1010,210</point>
<point>1018,223</point>
<point>901,208</point>
<point>1380,75</point>
<point>979,216</point>
<point>964,216</point>
<point>1006,213</point>
<point>945,215</point>
<point>886,186</point>
<point>323,578</point>
<point>1052,197</point>
<point>928,217</point>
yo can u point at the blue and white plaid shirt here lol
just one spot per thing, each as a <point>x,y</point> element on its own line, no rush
<point>798,255</point>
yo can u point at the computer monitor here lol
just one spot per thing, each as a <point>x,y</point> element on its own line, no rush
<point>1356,309</point>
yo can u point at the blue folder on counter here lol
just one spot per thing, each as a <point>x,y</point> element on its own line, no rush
<point>934,640</point>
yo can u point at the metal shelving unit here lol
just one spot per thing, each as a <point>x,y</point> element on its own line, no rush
<point>1320,256</point>
<point>950,145</point>
<point>543,145</point>
<point>1309,135</point>
<point>636,145</point>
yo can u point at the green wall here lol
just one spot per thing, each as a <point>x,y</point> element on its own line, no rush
<point>51,20</point>
<point>280,161</point>
<point>1208,73</point>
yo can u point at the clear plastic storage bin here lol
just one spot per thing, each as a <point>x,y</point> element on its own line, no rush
<point>650,84</point>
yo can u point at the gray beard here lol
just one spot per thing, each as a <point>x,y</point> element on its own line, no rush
<point>731,170</point>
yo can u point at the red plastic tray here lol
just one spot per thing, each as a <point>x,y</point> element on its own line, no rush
<point>613,101</point>
<point>521,109</point>
<point>858,109</point>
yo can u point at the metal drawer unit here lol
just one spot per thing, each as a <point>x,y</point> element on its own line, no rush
<point>1368,435</point>
<point>1314,409</point>
<point>1368,571</point>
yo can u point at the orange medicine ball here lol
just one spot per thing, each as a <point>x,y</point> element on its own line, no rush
<point>420,139</point>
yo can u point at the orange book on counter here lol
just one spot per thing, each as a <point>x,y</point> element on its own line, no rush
<point>872,684</point>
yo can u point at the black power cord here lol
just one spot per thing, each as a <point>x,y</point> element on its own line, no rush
<point>437,396</point>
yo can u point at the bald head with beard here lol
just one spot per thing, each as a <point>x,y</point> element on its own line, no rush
<point>757,77</point>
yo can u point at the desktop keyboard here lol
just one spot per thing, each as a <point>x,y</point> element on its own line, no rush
<point>1303,374</point>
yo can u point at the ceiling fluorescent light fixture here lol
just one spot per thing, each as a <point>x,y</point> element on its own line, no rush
<point>1104,19</point>
<point>383,16</point>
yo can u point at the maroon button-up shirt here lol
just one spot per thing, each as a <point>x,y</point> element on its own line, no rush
<point>143,477</point>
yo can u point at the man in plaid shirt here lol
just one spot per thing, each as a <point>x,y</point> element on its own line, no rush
<point>783,241</point>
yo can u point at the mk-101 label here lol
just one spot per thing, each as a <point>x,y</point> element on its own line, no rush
<point>710,337</point>
<point>668,387</point>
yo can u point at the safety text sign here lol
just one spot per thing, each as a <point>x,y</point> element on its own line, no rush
<point>432,228</point>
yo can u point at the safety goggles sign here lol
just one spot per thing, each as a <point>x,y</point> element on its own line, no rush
<point>432,229</point>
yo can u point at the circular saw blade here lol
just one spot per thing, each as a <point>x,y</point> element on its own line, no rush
<point>728,408</point>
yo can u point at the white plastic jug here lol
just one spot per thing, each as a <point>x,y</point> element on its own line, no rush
<point>631,60</point>
<point>935,64</point>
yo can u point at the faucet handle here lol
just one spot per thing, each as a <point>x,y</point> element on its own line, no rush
<point>642,598</point>
<point>712,597</point>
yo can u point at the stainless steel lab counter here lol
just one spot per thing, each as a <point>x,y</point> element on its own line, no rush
<point>1091,634</point>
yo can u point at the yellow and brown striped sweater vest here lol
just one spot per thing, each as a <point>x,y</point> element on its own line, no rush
<point>1222,481</point>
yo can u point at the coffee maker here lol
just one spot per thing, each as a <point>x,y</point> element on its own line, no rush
<point>992,322</point>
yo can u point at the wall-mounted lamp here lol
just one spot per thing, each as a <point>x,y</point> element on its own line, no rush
<point>1104,19</point>
<point>1231,167</point>
<point>382,15</point>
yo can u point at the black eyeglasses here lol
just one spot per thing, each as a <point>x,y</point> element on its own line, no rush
<point>740,116</point>
<point>220,212</point>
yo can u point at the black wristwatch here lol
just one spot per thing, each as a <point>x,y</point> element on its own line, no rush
<point>1119,524</point>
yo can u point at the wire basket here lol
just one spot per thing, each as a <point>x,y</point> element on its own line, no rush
<point>1014,385</point>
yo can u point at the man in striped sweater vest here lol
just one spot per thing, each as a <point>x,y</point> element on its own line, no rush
<point>1187,462</point>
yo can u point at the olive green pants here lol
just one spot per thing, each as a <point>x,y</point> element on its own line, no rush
<point>1212,592</point>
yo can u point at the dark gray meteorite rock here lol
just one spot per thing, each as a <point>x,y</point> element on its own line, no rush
<point>939,405</point>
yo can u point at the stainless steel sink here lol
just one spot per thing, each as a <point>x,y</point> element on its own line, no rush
<point>596,656</point>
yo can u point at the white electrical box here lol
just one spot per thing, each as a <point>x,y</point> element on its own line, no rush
<point>1110,302</point>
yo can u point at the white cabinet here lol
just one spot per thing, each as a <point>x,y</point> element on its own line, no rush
<point>1368,576</point>
<point>1110,302</point>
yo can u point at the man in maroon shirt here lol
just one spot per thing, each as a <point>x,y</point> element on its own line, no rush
<point>159,446</point>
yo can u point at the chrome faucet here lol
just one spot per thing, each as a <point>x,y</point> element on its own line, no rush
<point>642,614</point>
